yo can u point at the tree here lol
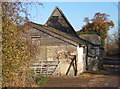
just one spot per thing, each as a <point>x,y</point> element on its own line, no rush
<point>100,24</point>
<point>119,32</point>
<point>112,44</point>
<point>17,53</point>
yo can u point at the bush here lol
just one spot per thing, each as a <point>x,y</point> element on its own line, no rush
<point>41,79</point>
<point>38,78</point>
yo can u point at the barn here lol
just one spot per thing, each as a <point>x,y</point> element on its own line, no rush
<point>60,50</point>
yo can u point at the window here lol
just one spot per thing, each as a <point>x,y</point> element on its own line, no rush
<point>36,39</point>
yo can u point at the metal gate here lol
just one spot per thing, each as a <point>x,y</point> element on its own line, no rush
<point>45,67</point>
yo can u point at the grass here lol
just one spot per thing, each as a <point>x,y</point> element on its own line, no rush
<point>41,79</point>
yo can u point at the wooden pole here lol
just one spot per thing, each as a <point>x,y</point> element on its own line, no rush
<point>70,66</point>
<point>75,66</point>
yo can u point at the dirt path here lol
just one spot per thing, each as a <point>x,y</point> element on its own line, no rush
<point>108,78</point>
<point>81,81</point>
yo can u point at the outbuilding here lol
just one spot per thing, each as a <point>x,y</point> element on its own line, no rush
<point>60,50</point>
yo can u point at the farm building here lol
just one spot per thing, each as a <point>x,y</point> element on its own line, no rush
<point>60,50</point>
<point>95,39</point>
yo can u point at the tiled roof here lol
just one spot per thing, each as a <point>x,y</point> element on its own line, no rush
<point>65,35</point>
<point>59,21</point>
<point>58,24</point>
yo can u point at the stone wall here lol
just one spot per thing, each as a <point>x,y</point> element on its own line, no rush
<point>63,54</point>
<point>51,48</point>
<point>93,58</point>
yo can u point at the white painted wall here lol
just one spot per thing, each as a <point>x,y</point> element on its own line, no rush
<point>81,60</point>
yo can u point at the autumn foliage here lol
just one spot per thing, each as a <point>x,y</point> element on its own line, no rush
<point>17,52</point>
<point>100,24</point>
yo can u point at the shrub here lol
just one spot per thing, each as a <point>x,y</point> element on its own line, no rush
<point>41,79</point>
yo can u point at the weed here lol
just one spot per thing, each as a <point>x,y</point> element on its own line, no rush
<point>41,79</point>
